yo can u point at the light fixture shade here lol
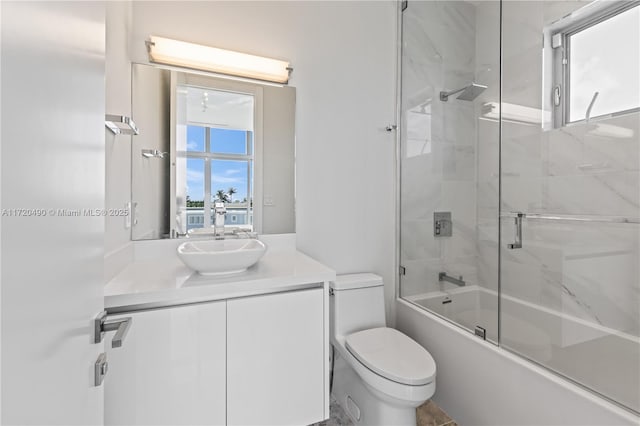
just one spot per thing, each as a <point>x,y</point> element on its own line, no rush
<point>173,52</point>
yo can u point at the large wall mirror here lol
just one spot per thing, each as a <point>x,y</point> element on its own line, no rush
<point>204,140</point>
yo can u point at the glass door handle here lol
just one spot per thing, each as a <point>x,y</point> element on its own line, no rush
<point>517,244</point>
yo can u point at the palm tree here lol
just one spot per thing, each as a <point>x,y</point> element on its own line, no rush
<point>222,196</point>
<point>231,191</point>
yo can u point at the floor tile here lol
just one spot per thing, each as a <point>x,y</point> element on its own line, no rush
<point>429,414</point>
<point>337,416</point>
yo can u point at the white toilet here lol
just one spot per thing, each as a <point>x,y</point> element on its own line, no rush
<point>380,375</point>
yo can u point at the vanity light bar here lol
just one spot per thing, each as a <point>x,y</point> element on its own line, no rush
<point>173,52</point>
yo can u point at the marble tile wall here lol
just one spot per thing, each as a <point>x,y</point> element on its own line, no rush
<point>447,45</point>
<point>586,270</point>
<point>451,156</point>
<point>438,171</point>
<point>487,46</point>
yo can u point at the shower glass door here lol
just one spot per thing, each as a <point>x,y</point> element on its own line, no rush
<point>449,176</point>
<point>570,197</point>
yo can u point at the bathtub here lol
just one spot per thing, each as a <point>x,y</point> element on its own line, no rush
<point>604,360</point>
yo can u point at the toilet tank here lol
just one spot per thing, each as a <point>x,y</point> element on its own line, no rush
<point>356,303</point>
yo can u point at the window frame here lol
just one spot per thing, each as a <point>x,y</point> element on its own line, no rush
<point>560,43</point>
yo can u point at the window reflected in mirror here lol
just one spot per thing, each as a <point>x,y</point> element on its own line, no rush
<point>219,157</point>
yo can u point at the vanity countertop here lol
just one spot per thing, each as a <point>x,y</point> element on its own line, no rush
<point>163,280</point>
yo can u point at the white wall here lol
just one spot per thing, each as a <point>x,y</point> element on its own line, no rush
<point>480,384</point>
<point>118,250</point>
<point>343,54</point>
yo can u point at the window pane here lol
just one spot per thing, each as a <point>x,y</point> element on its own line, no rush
<point>195,193</point>
<point>230,181</point>
<point>195,138</point>
<point>226,175</point>
<point>229,141</point>
<point>605,58</point>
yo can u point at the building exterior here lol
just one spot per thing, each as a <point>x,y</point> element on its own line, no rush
<point>236,215</point>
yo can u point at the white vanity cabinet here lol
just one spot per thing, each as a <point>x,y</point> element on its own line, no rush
<point>256,360</point>
<point>171,368</point>
<point>275,359</point>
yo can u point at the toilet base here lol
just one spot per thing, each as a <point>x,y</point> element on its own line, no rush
<point>361,404</point>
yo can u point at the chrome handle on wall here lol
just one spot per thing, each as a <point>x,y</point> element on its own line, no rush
<point>518,242</point>
<point>120,326</point>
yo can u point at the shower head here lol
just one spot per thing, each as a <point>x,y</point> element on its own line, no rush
<point>469,92</point>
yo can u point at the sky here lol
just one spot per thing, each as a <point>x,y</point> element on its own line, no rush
<point>224,173</point>
<point>605,58</point>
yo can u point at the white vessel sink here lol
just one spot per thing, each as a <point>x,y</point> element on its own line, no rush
<point>219,257</point>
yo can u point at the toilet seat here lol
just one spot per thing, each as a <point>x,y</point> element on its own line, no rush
<point>379,385</point>
<point>392,355</point>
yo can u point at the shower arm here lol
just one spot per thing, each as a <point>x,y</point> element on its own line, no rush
<point>469,92</point>
<point>444,96</point>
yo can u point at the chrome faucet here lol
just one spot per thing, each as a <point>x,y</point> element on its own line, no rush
<point>442,276</point>
<point>220,212</point>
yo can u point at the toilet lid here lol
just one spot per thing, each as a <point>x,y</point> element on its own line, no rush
<point>393,355</point>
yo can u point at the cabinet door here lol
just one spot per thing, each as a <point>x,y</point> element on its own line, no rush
<point>171,368</point>
<point>275,359</point>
